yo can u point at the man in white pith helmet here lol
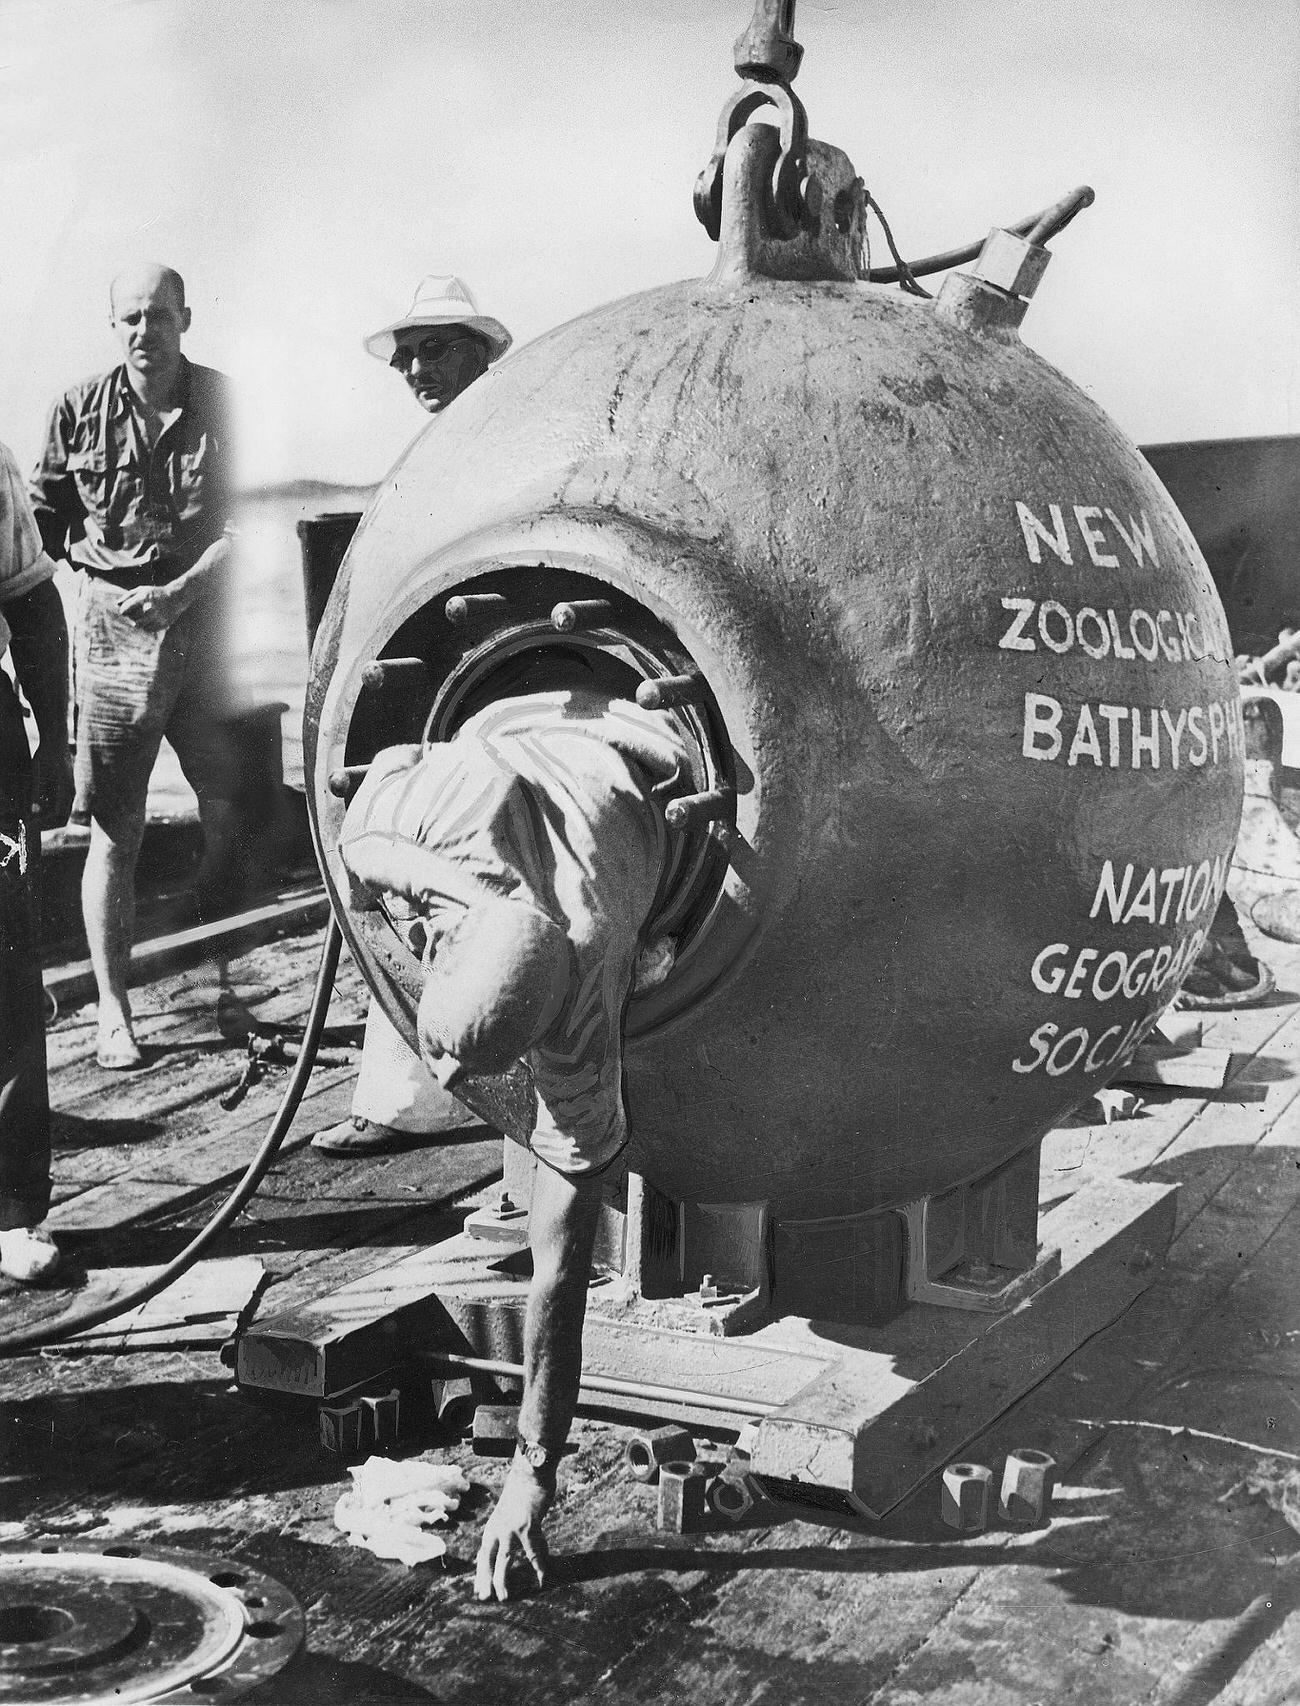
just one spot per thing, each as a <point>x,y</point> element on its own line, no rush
<point>440,347</point>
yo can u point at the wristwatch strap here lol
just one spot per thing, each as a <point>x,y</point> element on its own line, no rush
<point>542,1462</point>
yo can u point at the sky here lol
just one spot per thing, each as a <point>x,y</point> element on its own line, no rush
<point>305,162</point>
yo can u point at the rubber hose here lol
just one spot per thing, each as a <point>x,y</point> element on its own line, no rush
<point>1038,227</point>
<point>51,1333</point>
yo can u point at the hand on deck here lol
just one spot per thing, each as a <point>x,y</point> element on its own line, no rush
<point>513,1530</point>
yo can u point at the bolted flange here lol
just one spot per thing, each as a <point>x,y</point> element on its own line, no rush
<point>134,1623</point>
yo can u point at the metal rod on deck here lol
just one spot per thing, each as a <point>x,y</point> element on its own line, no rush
<point>618,1388</point>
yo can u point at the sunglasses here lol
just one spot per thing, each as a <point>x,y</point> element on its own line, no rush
<point>436,350</point>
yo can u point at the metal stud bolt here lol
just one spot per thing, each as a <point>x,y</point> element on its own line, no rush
<point>668,690</point>
<point>578,613</point>
<point>473,606</point>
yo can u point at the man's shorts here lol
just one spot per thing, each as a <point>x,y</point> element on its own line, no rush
<point>133,686</point>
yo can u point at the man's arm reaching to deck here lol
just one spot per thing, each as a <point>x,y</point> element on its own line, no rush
<point>562,1231</point>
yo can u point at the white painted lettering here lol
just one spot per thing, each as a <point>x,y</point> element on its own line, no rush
<point>1195,721</point>
<point>1015,639</point>
<point>1175,733</point>
<point>1216,729</point>
<point>1056,1066</point>
<point>1201,877</point>
<point>1085,743</point>
<point>1100,647</point>
<point>1093,537</point>
<point>1063,641</point>
<point>1144,901</point>
<point>1168,642</point>
<point>1042,723</point>
<point>1139,541</point>
<point>1114,715</point>
<point>1034,532</point>
<point>1093,1064</point>
<point>1150,651</point>
<point>1132,989</point>
<point>1102,990</point>
<point>1041,1043</point>
<point>1146,743</point>
<point>1106,892</point>
<point>1169,882</point>
<point>1049,981</point>
<point>1074,988</point>
<point>1121,650</point>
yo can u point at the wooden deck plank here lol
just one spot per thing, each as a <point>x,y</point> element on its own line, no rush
<point>158,1446</point>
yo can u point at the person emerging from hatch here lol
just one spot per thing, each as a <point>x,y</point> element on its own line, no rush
<point>523,857</point>
<point>440,347</point>
<point>133,489</point>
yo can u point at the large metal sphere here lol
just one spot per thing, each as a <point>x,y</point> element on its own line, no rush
<point>950,620</point>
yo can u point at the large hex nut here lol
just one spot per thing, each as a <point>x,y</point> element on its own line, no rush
<point>341,1427</point>
<point>453,1404</point>
<point>1011,263</point>
<point>381,1419</point>
<point>1028,1482</point>
<point>733,1494</point>
<point>964,1501</point>
<point>681,1498</point>
<point>496,1429</point>
<point>646,1452</point>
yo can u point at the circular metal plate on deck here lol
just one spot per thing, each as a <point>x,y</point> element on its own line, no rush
<point>127,1624</point>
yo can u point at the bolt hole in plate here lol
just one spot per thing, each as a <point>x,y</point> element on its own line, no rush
<point>132,1624</point>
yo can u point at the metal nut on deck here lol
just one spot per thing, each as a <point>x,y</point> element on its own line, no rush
<point>453,1403</point>
<point>681,1498</point>
<point>341,1427</point>
<point>733,1494</point>
<point>1028,1482</point>
<point>645,1453</point>
<point>382,1419</point>
<point>496,1427</point>
<point>964,1501</point>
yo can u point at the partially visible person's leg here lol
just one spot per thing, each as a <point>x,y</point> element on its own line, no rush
<point>202,731</point>
<point>396,1101</point>
<point>26,1251</point>
<point>108,909</point>
<point>127,678</point>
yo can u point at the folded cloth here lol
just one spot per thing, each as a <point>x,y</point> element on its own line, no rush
<point>393,1507</point>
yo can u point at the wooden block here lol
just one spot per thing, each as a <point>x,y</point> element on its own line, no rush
<point>1189,1069</point>
<point>886,1418</point>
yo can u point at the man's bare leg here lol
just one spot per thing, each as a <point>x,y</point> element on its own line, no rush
<point>108,908</point>
<point>562,1232</point>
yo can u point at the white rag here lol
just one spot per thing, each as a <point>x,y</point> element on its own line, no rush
<point>393,1507</point>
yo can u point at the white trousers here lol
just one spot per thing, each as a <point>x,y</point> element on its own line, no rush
<point>395,1088</point>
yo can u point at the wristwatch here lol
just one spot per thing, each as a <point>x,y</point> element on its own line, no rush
<point>542,1462</point>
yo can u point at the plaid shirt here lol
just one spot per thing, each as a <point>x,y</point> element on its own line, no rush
<point>23,563</point>
<point>109,503</point>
